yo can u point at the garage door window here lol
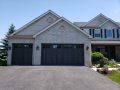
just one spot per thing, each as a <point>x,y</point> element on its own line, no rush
<point>67,46</point>
<point>61,46</point>
<point>21,46</point>
<point>28,46</point>
<point>46,46</point>
<point>55,46</point>
<point>17,46</point>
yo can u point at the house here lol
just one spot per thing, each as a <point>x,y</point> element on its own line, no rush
<point>53,40</point>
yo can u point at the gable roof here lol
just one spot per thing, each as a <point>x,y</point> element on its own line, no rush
<point>80,24</point>
<point>111,21</point>
<point>103,23</point>
<point>107,19</point>
<point>62,18</point>
<point>118,23</point>
<point>93,19</point>
<point>34,20</point>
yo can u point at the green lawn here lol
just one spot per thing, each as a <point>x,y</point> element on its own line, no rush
<point>115,76</point>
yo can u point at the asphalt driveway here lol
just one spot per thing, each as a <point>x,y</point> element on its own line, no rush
<point>53,78</point>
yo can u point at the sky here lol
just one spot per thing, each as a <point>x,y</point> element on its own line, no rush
<point>20,12</point>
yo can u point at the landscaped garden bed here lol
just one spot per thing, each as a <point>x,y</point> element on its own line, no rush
<point>111,73</point>
<point>108,68</point>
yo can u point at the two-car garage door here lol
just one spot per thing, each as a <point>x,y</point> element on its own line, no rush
<point>51,54</point>
<point>62,54</point>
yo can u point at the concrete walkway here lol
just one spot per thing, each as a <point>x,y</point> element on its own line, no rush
<point>53,78</point>
<point>95,69</point>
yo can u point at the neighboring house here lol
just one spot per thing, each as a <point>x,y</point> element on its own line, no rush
<point>53,40</point>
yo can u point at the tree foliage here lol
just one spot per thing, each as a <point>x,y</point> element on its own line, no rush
<point>97,56</point>
<point>4,45</point>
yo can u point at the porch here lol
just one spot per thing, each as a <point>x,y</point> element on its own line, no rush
<point>109,51</point>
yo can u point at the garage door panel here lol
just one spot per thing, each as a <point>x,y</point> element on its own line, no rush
<point>81,55</point>
<point>46,59</point>
<point>27,56</point>
<point>17,56</point>
<point>59,56</point>
<point>74,56</point>
<point>62,54</point>
<point>53,56</point>
<point>64,58</point>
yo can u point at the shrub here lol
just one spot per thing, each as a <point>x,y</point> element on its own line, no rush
<point>97,56</point>
<point>112,63</point>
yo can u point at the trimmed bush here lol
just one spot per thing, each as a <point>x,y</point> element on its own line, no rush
<point>97,56</point>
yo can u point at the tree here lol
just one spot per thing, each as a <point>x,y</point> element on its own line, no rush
<point>4,45</point>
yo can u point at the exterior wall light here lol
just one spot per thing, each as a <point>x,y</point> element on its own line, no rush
<point>87,47</point>
<point>37,47</point>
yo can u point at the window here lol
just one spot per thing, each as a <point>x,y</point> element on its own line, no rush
<point>97,33</point>
<point>46,46</point>
<point>109,33</point>
<point>119,33</point>
<point>55,46</point>
<point>28,46</point>
<point>66,46</point>
<point>86,30</point>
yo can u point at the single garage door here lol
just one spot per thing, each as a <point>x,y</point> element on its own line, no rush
<point>62,54</point>
<point>22,54</point>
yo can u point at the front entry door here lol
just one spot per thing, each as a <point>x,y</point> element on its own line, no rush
<point>110,52</point>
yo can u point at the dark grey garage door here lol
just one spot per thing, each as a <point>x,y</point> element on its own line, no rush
<point>62,54</point>
<point>22,54</point>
